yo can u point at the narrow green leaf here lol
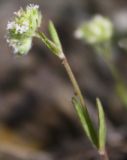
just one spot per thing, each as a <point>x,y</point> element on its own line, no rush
<point>54,35</point>
<point>85,121</point>
<point>102,126</point>
<point>52,46</point>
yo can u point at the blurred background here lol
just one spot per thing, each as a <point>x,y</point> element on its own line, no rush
<point>37,119</point>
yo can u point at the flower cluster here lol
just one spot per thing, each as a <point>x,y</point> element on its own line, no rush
<point>97,30</point>
<point>23,28</point>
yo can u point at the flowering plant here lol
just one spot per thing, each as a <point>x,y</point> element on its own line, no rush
<point>19,36</point>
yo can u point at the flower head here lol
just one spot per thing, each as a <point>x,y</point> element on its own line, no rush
<point>97,30</point>
<point>23,28</point>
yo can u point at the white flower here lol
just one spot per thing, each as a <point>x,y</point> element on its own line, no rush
<point>19,12</point>
<point>21,30</point>
<point>10,25</point>
<point>32,6</point>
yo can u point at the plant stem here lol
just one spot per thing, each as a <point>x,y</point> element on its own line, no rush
<point>103,155</point>
<point>77,90</point>
<point>120,86</point>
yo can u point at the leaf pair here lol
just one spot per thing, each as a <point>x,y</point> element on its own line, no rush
<point>55,44</point>
<point>96,137</point>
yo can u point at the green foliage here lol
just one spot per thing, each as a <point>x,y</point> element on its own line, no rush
<point>54,45</point>
<point>54,35</point>
<point>97,138</point>
<point>102,126</point>
<point>85,121</point>
<point>50,45</point>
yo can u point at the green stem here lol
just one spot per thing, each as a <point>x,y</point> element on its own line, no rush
<point>86,117</point>
<point>120,86</point>
<point>53,47</point>
<point>77,90</point>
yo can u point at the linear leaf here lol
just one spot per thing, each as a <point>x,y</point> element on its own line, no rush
<point>85,121</point>
<point>52,46</point>
<point>54,35</point>
<point>102,126</point>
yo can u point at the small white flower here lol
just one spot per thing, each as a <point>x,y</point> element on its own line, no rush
<point>18,13</point>
<point>10,25</point>
<point>19,28</point>
<point>32,6</point>
<point>22,28</point>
